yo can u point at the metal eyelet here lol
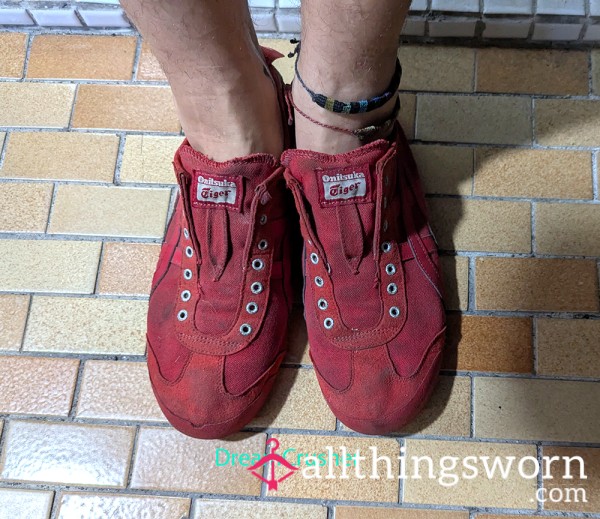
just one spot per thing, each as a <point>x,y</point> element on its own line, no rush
<point>263,219</point>
<point>186,295</point>
<point>256,287</point>
<point>328,323</point>
<point>392,288</point>
<point>322,304</point>
<point>189,252</point>
<point>258,264</point>
<point>263,244</point>
<point>245,329</point>
<point>319,281</point>
<point>182,315</point>
<point>394,312</point>
<point>386,246</point>
<point>390,269</point>
<point>186,233</point>
<point>314,258</point>
<point>187,274</point>
<point>252,308</point>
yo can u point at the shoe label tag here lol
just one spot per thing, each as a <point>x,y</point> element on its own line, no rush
<point>348,185</point>
<point>217,191</point>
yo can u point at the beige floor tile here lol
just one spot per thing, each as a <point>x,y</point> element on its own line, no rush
<point>584,494</point>
<point>24,504</point>
<point>284,65</point>
<point>82,505</point>
<point>445,170</point>
<point>13,315</point>
<point>112,211</point>
<point>67,454</point>
<point>481,225</point>
<point>206,509</point>
<point>499,344</point>
<point>567,122</point>
<point>161,450</point>
<point>149,159</point>
<point>455,271</point>
<point>61,156</point>
<point>568,347</point>
<point>149,68</point>
<point>512,492</point>
<point>297,338</point>
<point>60,56</point>
<point>37,385</point>
<point>570,229</point>
<point>12,59</point>
<point>117,390</point>
<point>493,516</point>
<point>596,71</point>
<point>127,268</point>
<point>363,512</point>
<point>552,285</point>
<point>45,105</point>
<point>533,173</point>
<point>529,409</point>
<point>126,107</point>
<point>478,119</point>
<point>2,138</point>
<point>48,266</point>
<point>408,111</point>
<point>296,402</point>
<point>552,72</point>
<point>86,325</point>
<point>437,68</point>
<point>24,207</point>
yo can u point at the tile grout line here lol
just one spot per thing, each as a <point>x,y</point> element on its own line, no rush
<point>472,407</point>
<point>471,303</point>
<point>76,391</point>
<point>119,159</point>
<point>595,174</point>
<point>540,479</point>
<point>55,506</point>
<point>51,207</point>
<point>132,454</point>
<point>30,38</point>
<point>3,151</point>
<point>25,325</point>
<point>72,114</point>
<point>136,58</point>
<point>98,269</point>
<point>534,345</point>
<point>533,224</point>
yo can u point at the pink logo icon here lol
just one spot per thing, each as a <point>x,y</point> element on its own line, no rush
<point>272,481</point>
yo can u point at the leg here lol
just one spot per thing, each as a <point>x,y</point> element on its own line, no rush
<point>224,93</point>
<point>349,50</point>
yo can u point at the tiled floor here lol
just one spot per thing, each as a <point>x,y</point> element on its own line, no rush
<point>508,142</point>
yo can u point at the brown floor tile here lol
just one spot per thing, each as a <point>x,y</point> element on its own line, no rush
<point>478,119</point>
<point>567,122</point>
<point>149,68</point>
<point>355,489</point>
<point>445,170</point>
<point>36,385</point>
<point>127,268</point>
<point>36,104</point>
<point>513,492</point>
<point>207,508</point>
<point>530,409</point>
<point>117,390</point>
<point>533,173</point>
<point>297,338</point>
<point>24,207</point>
<point>72,325</point>
<point>481,225</point>
<point>596,71</point>
<point>296,402</point>
<point>60,56</point>
<point>284,65</point>
<point>167,460</point>
<point>25,504</point>
<point>67,454</point>
<point>584,494</point>
<point>552,285</point>
<point>126,107</point>
<point>568,347</point>
<point>408,113</point>
<point>12,59</point>
<point>112,211</point>
<point>149,159</point>
<point>13,315</point>
<point>570,229</point>
<point>437,68</point>
<point>359,512</point>
<point>61,156</point>
<point>455,270</point>
<point>498,344</point>
<point>48,266</point>
<point>525,71</point>
<point>120,506</point>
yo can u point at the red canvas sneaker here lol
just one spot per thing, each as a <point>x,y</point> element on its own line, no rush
<point>373,294</point>
<point>221,292</point>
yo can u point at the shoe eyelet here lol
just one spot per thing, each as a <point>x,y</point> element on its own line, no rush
<point>252,307</point>
<point>187,274</point>
<point>328,323</point>
<point>322,304</point>
<point>385,202</point>
<point>394,312</point>
<point>245,329</point>
<point>256,287</point>
<point>385,225</point>
<point>386,246</point>
<point>314,258</point>
<point>182,315</point>
<point>392,288</point>
<point>263,244</point>
<point>258,264</point>
<point>186,233</point>
<point>390,269</point>
<point>186,295</point>
<point>386,180</point>
<point>189,252</point>
<point>263,219</point>
<point>319,281</point>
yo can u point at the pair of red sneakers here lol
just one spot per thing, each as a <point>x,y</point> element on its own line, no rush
<point>221,294</point>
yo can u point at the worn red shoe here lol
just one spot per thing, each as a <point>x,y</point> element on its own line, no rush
<point>221,293</point>
<point>373,294</point>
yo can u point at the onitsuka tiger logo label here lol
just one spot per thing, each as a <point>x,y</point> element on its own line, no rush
<point>216,190</point>
<point>344,186</point>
